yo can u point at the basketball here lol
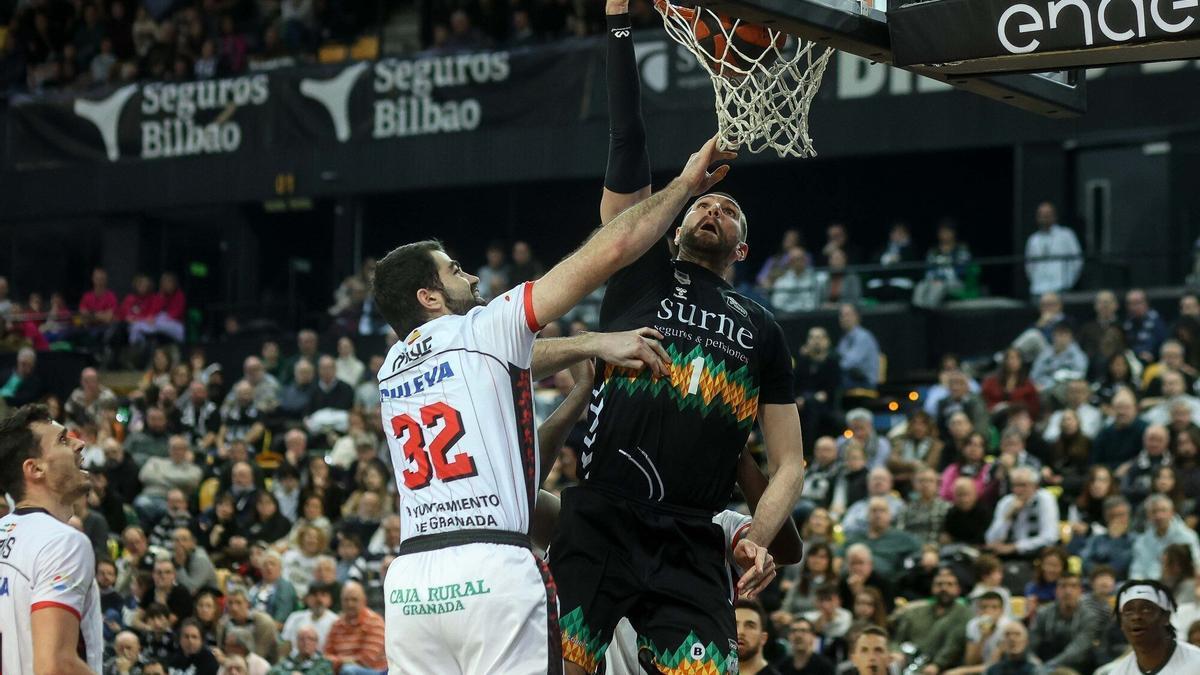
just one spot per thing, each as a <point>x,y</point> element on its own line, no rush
<point>751,43</point>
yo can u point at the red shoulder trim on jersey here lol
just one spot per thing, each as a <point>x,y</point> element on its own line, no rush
<point>530,317</point>
<point>45,604</point>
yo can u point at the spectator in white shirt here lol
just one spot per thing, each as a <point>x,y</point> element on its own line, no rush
<point>317,614</point>
<point>1064,358</point>
<point>1174,392</point>
<point>798,287</point>
<point>1090,418</point>
<point>349,368</point>
<point>1025,520</point>
<point>1053,256</point>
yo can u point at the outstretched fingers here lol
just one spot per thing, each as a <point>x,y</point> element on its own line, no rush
<point>652,339</point>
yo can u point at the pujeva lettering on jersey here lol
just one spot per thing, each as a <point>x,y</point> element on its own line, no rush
<point>426,380</point>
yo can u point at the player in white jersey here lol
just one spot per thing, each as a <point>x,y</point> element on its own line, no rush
<point>466,595</point>
<point>1144,610</point>
<point>49,602</point>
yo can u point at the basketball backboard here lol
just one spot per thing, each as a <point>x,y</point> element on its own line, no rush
<point>852,26</point>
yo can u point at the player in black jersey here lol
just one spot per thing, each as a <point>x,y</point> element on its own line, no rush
<point>659,458</point>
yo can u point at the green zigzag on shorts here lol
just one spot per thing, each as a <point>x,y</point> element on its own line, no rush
<point>575,629</point>
<point>736,398</point>
<point>713,658</point>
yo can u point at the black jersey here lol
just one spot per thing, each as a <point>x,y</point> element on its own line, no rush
<point>676,440</point>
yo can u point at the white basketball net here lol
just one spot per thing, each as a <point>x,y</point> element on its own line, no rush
<point>762,98</point>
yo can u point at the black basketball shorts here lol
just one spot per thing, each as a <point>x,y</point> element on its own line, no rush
<point>664,568</point>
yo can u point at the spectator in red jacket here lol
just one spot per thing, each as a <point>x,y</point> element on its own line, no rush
<point>171,305</point>
<point>98,312</point>
<point>1009,386</point>
<point>141,304</point>
<point>137,313</point>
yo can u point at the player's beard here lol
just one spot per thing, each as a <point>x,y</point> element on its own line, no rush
<point>714,251</point>
<point>747,653</point>
<point>72,486</point>
<point>462,305</point>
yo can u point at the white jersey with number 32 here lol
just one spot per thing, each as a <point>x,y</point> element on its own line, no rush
<point>457,406</point>
<point>45,563</point>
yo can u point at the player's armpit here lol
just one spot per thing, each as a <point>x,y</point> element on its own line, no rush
<point>55,629</point>
<point>785,461</point>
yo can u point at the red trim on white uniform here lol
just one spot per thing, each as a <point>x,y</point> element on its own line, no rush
<point>530,317</point>
<point>737,536</point>
<point>45,604</point>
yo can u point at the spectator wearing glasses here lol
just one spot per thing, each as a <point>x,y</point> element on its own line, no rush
<point>1112,547</point>
<point>804,660</point>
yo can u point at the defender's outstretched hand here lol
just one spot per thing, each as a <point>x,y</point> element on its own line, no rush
<point>759,566</point>
<point>635,349</point>
<point>696,175</point>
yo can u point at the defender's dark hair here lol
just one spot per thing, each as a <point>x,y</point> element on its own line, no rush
<point>399,276</point>
<point>17,444</point>
<point>1156,585</point>
<point>756,607</point>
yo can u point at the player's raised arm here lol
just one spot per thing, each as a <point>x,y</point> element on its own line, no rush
<point>626,238</point>
<point>627,178</point>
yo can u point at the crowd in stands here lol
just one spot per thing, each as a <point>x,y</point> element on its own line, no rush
<point>117,332</point>
<point>60,43</point>
<point>48,44</point>
<point>1016,496</point>
<point>796,279</point>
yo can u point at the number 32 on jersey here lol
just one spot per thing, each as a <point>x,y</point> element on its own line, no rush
<point>426,462</point>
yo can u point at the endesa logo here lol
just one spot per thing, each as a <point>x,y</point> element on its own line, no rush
<point>1023,27</point>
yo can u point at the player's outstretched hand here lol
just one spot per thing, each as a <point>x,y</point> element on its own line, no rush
<point>759,566</point>
<point>635,349</point>
<point>614,7</point>
<point>696,174</point>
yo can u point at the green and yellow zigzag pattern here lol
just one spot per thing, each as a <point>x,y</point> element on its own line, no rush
<point>680,661</point>
<point>579,646</point>
<point>584,649</point>
<point>731,394</point>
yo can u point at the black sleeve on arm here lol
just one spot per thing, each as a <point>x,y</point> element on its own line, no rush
<point>776,380</point>
<point>628,161</point>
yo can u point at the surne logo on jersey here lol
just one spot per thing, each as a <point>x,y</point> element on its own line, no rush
<point>689,314</point>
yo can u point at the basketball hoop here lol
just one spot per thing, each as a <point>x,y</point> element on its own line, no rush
<point>763,87</point>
